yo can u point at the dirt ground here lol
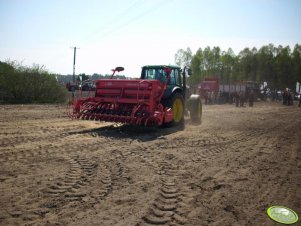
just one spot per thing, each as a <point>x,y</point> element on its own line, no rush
<point>226,171</point>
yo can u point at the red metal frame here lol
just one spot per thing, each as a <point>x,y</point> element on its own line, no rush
<point>125,101</point>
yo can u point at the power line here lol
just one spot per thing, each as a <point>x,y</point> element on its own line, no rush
<point>134,18</point>
<point>122,14</point>
<point>139,16</point>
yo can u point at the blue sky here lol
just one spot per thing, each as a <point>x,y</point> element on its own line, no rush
<point>133,33</point>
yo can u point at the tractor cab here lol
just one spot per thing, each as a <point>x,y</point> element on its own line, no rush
<point>175,76</point>
<point>174,80</point>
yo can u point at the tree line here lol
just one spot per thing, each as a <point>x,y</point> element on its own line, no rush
<point>279,66</point>
<point>20,84</point>
<point>24,85</point>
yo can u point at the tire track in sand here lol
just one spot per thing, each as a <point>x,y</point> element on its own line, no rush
<point>79,182</point>
<point>168,208</point>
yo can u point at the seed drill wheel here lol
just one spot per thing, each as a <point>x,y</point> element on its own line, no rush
<point>176,103</point>
<point>195,108</point>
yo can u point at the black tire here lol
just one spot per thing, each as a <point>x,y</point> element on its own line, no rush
<point>195,107</point>
<point>176,103</point>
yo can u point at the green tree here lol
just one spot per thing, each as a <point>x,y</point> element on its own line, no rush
<point>216,60</point>
<point>197,68</point>
<point>183,57</point>
<point>296,61</point>
<point>229,62</point>
<point>283,68</point>
<point>265,59</point>
<point>278,66</point>
<point>19,84</point>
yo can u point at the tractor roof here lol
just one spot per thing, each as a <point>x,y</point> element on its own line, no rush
<point>161,66</point>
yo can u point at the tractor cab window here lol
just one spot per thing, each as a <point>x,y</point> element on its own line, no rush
<point>154,73</point>
<point>172,80</point>
<point>175,78</point>
<point>179,77</point>
<point>159,74</point>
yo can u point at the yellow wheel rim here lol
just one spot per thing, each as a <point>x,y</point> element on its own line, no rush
<point>177,110</point>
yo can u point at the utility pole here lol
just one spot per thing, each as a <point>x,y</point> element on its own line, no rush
<point>73,77</point>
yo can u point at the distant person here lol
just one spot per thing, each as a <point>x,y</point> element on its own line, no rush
<point>230,97</point>
<point>206,97</point>
<point>300,99</point>
<point>211,97</point>
<point>251,98</point>
<point>215,94</point>
<point>241,99</point>
<point>274,95</point>
<point>290,100</point>
<point>285,97</point>
<point>236,96</point>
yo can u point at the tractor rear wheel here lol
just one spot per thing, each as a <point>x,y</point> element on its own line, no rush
<point>176,103</point>
<point>195,108</point>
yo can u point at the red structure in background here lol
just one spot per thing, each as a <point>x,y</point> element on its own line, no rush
<point>213,91</point>
<point>209,85</point>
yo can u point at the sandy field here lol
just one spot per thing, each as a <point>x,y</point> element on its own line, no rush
<point>226,171</point>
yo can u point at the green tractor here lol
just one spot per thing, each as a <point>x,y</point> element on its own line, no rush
<point>177,95</point>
